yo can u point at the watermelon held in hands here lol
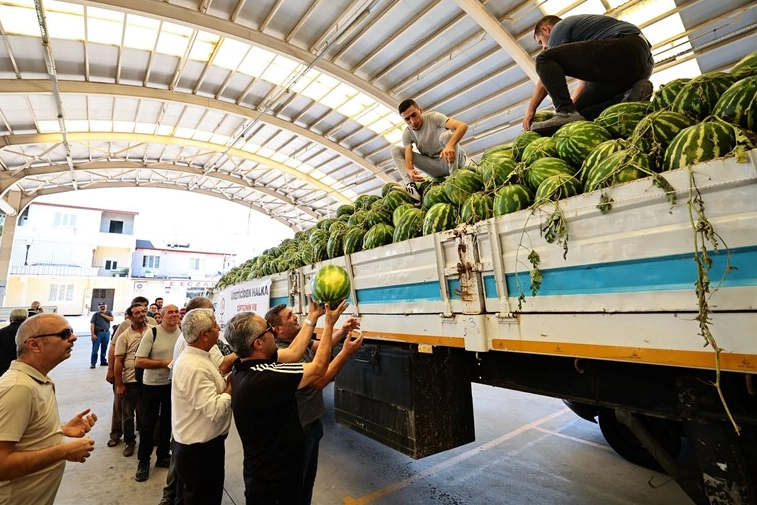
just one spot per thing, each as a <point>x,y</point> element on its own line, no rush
<point>331,285</point>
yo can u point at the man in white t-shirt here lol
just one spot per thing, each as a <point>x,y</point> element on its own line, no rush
<point>154,355</point>
<point>436,138</point>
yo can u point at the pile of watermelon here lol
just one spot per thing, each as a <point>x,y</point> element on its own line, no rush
<point>687,122</point>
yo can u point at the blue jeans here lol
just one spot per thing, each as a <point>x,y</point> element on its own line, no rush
<point>100,342</point>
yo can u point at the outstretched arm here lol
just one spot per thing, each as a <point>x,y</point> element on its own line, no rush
<point>351,345</point>
<point>540,93</point>
<point>319,366</point>
<point>458,129</point>
<point>296,349</point>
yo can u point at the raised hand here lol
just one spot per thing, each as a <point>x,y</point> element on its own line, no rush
<point>80,424</point>
<point>333,315</point>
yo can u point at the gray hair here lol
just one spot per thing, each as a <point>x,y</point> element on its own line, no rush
<point>241,332</point>
<point>195,322</point>
<point>18,315</point>
<point>199,302</point>
<point>31,327</point>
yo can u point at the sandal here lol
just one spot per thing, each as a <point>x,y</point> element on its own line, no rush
<point>113,442</point>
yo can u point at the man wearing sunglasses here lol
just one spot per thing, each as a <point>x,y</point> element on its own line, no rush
<point>33,446</point>
<point>263,387</point>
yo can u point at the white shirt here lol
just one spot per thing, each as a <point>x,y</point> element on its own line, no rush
<point>200,410</point>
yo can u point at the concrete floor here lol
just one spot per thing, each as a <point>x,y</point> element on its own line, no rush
<point>528,450</point>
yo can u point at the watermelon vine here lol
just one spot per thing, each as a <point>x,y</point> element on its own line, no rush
<point>704,236</point>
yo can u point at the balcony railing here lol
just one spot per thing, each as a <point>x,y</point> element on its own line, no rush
<point>61,270</point>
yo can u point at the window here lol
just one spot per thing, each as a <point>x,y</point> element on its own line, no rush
<point>196,263</point>
<point>65,220</point>
<point>111,265</point>
<point>151,262</point>
<point>61,292</point>
<point>116,227</point>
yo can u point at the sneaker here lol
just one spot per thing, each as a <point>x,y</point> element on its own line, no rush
<point>553,124</point>
<point>143,471</point>
<point>129,450</point>
<point>641,91</point>
<point>412,190</point>
<point>91,366</point>
<point>163,463</point>
<point>105,363</point>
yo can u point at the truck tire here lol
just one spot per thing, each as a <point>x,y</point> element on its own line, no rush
<point>624,442</point>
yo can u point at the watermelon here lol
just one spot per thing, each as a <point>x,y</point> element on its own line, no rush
<point>504,150</point>
<point>390,186</point>
<point>542,115</point>
<point>746,66</point>
<point>710,139</point>
<point>401,210</point>
<point>521,142</point>
<point>394,199</point>
<point>378,235</point>
<point>318,235</point>
<point>343,210</point>
<point>435,194</point>
<point>738,105</point>
<point>476,208</point>
<point>557,187</point>
<point>666,95</point>
<point>330,284</point>
<point>622,166</point>
<point>325,224</point>
<point>358,218</point>
<point>353,240</point>
<point>461,184</point>
<point>335,245</point>
<point>319,251</point>
<point>653,133</point>
<point>306,254</point>
<point>543,147</point>
<point>576,140</point>
<point>440,217</point>
<point>545,167</point>
<point>338,225</point>
<point>410,225</point>
<point>699,96</point>
<point>364,202</point>
<point>620,119</point>
<point>495,173</point>
<point>375,217</point>
<point>512,198</point>
<point>599,153</point>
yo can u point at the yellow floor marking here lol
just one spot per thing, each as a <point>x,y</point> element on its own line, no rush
<point>396,486</point>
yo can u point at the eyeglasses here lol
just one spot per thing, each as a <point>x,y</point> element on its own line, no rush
<point>267,329</point>
<point>63,334</point>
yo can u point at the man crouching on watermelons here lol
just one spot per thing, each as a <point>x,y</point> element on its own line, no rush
<point>436,138</point>
<point>612,59</point>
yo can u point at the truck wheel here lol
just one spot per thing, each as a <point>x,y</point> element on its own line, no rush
<point>625,443</point>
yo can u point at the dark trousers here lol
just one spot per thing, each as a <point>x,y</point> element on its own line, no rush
<point>116,421</point>
<point>200,472</point>
<point>313,433</point>
<point>101,343</point>
<point>170,489</point>
<point>156,403</point>
<point>130,410</point>
<point>609,66</point>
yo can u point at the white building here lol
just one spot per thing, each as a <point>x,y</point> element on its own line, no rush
<point>75,257</point>
<point>174,271</point>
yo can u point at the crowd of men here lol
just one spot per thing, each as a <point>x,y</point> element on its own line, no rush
<point>176,388</point>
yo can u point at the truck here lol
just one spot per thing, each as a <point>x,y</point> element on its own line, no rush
<point>635,304</point>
